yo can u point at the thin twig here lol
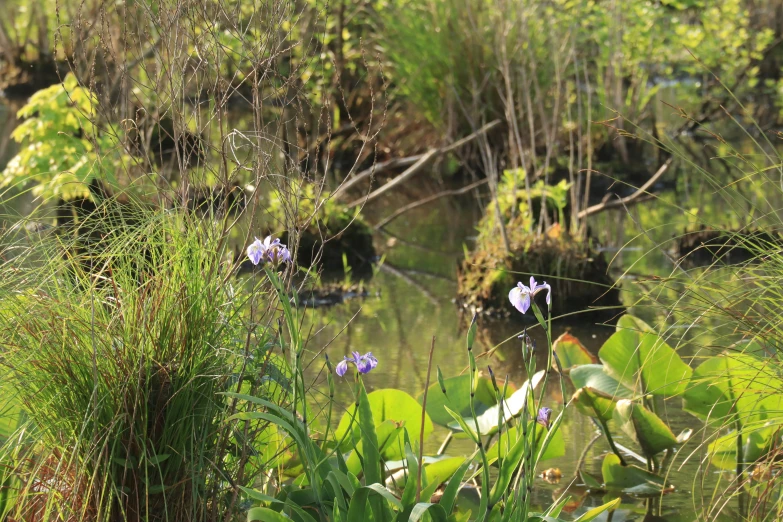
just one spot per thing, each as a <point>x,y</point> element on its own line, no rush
<point>628,199</point>
<point>456,192</point>
<point>410,160</point>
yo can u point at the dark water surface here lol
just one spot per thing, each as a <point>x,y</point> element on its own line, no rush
<point>412,301</point>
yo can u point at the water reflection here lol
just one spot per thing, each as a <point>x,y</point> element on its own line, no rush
<point>414,302</point>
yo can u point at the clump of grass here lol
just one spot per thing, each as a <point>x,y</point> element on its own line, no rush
<point>119,349</point>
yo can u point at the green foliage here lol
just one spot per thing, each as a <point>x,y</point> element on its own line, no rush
<point>118,358</point>
<point>734,388</point>
<point>351,473</point>
<point>63,149</point>
<point>571,352</point>
<point>595,376</point>
<point>457,397</point>
<point>385,405</point>
<point>644,427</point>
<point>630,480</point>
<point>642,361</point>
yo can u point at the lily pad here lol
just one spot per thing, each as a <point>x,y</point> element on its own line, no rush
<point>596,377</point>
<point>641,360</point>
<point>644,427</point>
<point>631,480</point>
<point>571,352</point>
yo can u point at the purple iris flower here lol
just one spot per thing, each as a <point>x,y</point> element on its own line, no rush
<point>269,250</point>
<point>364,363</point>
<point>544,415</point>
<point>521,295</point>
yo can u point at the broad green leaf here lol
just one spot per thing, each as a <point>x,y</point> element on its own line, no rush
<point>734,387</point>
<point>386,433</point>
<point>756,443</point>
<point>595,376</point>
<point>641,360</point>
<point>262,514</point>
<point>437,473</point>
<point>644,426</point>
<point>632,480</point>
<point>457,397</point>
<point>512,407</point>
<point>442,470</point>
<point>594,403</point>
<point>571,352</point>
<point>388,404</point>
<point>508,438</point>
<point>596,511</point>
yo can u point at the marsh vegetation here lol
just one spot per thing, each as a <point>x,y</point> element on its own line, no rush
<point>391,260</point>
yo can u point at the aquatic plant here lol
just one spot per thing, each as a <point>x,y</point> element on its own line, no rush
<point>374,460</point>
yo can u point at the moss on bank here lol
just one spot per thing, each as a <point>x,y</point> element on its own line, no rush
<point>578,275</point>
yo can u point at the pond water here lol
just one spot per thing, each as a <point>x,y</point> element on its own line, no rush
<point>415,302</point>
<point>412,300</point>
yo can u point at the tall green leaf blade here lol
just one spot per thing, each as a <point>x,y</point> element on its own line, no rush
<point>371,464</point>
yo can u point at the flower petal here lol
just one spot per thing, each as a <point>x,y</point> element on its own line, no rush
<point>256,251</point>
<point>532,285</point>
<point>544,415</point>
<point>548,289</point>
<point>520,299</point>
<point>341,368</point>
<point>364,365</point>
<point>371,358</point>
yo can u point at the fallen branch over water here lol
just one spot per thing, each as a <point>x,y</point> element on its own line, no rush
<point>456,192</point>
<point>416,163</point>
<point>633,198</point>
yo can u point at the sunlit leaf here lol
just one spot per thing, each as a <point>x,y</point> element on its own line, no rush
<point>631,480</point>
<point>572,352</point>
<point>644,427</point>
<point>595,376</point>
<point>640,359</point>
